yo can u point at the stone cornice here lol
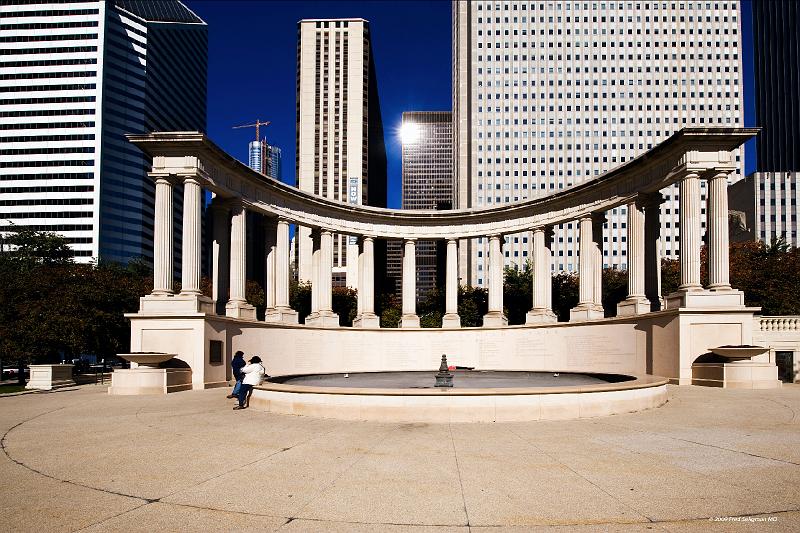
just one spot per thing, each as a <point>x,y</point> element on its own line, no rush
<point>705,151</point>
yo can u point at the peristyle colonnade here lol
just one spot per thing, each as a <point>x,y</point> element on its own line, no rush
<point>686,158</point>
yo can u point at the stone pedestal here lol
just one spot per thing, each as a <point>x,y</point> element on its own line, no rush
<point>494,319</point>
<point>736,375</point>
<point>49,377</point>
<point>540,316</point>
<point>323,319</point>
<point>633,306</point>
<point>704,298</point>
<point>242,310</point>
<point>409,321</point>
<point>367,321</point>
<point>149,380</point>
<point>281,315</point>
<point>451,320</point>
<point>176,304</point>
<point>582,313</point>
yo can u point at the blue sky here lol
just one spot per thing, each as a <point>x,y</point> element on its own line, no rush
<point>252,68</point>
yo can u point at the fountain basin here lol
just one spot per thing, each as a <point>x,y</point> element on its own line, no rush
<point>483,396</point>
<point>738,353</point>
<point>148,359</point>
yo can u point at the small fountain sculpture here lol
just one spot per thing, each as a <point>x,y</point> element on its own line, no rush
<point>444,378</point>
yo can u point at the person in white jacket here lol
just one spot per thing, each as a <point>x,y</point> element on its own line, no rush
<point>254,373</point>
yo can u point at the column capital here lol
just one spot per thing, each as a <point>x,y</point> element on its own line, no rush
<point>193,177</point>
<point>717,173</point>
<point>367,238</point>
<point>160,177</point>
<point>409,239</point>
<point>649,200</point>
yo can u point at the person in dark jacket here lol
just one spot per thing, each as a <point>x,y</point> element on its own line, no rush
<point>237,364</point>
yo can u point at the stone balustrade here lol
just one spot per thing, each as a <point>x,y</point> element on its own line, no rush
<point>192,160</point>
<point>779,323</point>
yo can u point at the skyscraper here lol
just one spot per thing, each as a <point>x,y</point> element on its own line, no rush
<point>547,95</point>
<point>770,195</point>
<point>75,77</point>
<point>340,146</point>
<point>427,138</point>
<point>265,158</point>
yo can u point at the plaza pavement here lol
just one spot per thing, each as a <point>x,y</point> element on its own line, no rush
<point>79,460</point>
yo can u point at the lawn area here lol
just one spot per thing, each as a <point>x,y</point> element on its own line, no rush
<point>9,388</point>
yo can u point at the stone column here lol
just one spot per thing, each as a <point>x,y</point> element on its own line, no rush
<point>237,306</point>
<point>717,233</point>
<point>315,281</point>
<point>192,230</point>
<point>652,248</point>
<point>495,315</point>
<point>451,318</point>
<point>282,311</point>
<point>220,255</point>
<point>366,285</point>
<point>162,239</point>
<point>635,303</point>
<point>587,260</point>
<point>270,251</point>
<point>690,233</point>
<point>598,219</point>
<point>410,318</point>
<point>323,278</point>
<point>542,280</point>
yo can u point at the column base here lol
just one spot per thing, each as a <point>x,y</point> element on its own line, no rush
<point>409,321</point>
<point>703,298</point>
<point>633,306</point>
<point>323,319</point>
<point>241,310</point>
<point>584,312</point>
<point>494,319</point>
<point>451,320</point>
<point>367,321</point>
<point>281,315</point>
<point>176,304</point>
<point>540,316</point>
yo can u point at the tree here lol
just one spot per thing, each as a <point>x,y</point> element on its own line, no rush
<point>615,289</point>
<point>300,299</point>
<point>345,304</point>
<point>473,303</point>
<point>517,293</point>
<point>565,294</point>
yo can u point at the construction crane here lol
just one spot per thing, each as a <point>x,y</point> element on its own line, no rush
<point>256,125</point>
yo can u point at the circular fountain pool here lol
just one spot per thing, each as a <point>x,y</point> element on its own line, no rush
<point>476,396</point>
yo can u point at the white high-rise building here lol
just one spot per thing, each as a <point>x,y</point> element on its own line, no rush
<point>549,94</point>
<point>75,77</point>
<point>340,147</point>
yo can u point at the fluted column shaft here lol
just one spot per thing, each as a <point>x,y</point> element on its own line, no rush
<point>316,283</point>
<point>451,278</point>
<point>269,263</point>
<point>409,277</point>
<point>690,233</point>
<point>325,270</point>
<point>547,269</point>
<point>652,249</point>
<point>495,274</point>
<point>366,288</point>
<point>282,265</point>
<point>598,219</point>
<point>541,270</point>
<point>220,254</point>
<point>717,216</point>
<point>192,230</point>
<point>635,250</point>
<point>585,262</point>
<point>238,267</point>
<point>162,238</point>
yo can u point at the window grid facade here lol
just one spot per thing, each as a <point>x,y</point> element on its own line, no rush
<point>550,94</point>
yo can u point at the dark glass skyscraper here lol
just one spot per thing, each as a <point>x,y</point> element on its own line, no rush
<point>776,54</point>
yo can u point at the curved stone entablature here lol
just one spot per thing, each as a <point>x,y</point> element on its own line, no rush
<point>702,151</point>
